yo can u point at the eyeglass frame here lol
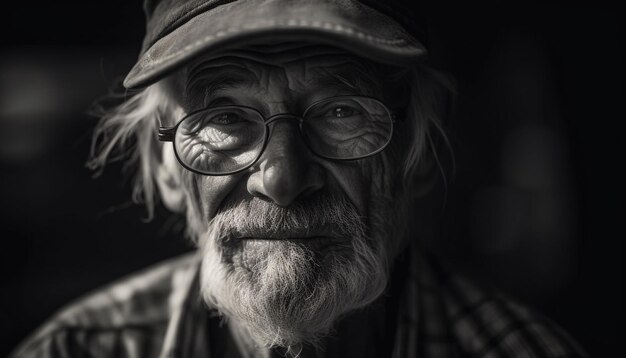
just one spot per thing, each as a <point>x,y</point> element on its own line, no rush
<point>168,134</point>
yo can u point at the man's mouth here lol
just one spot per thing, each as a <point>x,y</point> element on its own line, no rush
<point>314,241</point>
<point>301,234</point>
<point>290,238</point>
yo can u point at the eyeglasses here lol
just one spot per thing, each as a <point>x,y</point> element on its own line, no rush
<point>225,140</point>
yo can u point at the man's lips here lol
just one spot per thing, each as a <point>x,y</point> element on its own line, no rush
<point>317,233</point>
<point>290,238</point>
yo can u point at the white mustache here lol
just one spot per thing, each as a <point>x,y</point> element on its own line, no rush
<point>320,215</point>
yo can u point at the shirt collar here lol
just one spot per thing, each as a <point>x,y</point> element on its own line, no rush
<point>186,333</point>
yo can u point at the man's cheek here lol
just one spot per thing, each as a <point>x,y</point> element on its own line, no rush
<point>207,193</point>
<point>375,173</point>
<point>347,178</point>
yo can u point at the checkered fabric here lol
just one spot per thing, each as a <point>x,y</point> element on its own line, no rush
<point>159,313</point>
<point>455,318</point>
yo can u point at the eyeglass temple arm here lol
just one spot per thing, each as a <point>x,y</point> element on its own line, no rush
<point>167,134</point>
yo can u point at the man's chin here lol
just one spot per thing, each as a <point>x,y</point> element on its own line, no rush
<point>291,291</point>
<point>263,269</point>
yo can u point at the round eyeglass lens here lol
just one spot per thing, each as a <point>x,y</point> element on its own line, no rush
<point>347,127</point>
<point>220,140</point>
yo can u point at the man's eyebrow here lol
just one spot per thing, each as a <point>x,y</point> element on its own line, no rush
<point>357,78</point>
<point>210,79</point>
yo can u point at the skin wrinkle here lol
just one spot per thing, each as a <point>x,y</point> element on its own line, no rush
<point>150,108</point>
<point>204,82</point>
<point>371,185</point>
<point>342,74</point>
<point>332,167</point>
<point>263,284</point>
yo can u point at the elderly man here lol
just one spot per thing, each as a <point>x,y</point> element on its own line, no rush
<point>295,136</point>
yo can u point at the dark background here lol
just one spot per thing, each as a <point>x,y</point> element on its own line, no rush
<point>533,209</point>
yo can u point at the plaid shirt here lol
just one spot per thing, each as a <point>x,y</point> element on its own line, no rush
<point>159,313</point>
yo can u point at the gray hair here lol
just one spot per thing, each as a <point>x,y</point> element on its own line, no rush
<point>128,131</point>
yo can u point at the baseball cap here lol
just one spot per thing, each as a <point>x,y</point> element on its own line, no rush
<point>179,30</point>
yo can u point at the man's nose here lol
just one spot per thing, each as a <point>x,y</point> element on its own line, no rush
<point>287,170</point>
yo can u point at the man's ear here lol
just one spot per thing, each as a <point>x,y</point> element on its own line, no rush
<point>168,178</point>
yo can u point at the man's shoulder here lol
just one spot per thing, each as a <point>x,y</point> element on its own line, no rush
<point>487,323</point>
<point>138,305</point>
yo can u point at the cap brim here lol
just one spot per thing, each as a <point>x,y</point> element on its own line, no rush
<point>363,31</point>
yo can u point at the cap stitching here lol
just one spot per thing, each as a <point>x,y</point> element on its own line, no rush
<point>292,22</point>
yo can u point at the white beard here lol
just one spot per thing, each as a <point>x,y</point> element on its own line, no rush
<point>288,292</point>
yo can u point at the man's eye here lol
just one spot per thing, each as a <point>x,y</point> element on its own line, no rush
<point>342,112</point>
<point>226,118</point>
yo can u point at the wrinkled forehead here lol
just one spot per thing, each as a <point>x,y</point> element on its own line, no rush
<point>306,62</point>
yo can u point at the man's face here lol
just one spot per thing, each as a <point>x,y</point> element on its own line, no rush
<point>295,240</point>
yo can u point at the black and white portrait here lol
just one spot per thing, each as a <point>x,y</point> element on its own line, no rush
<point>313,179</point>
